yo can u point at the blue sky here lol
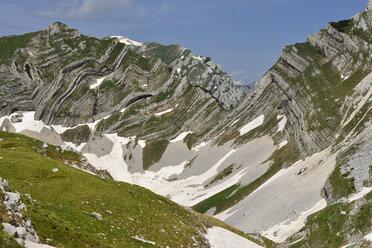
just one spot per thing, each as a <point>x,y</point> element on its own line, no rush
<point>244,36</point>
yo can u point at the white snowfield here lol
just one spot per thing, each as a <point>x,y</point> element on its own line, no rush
<point>252,125</point>
<point>221,238</point>
<point>127,41</point>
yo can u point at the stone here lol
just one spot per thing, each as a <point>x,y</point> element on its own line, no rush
<point>21,232</point>
<point>97,216</point>
<point>20,241</point>
<point>9,229</point>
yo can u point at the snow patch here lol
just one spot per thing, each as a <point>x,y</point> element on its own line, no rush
<point>28,123</point>
<point>200,146</point>
<point>282,122</point>
<point>219,237</point>
<point>142,143</point>
<point>361,194</point>
<point>180,137</point>
<point>98,83</point>
<point>280,232</point>
<point>368,237</point>
<point>127,41</point>
<point>234,122</point>
<point>164,112</point>
<point>252,125</point>
<point>283,143</point>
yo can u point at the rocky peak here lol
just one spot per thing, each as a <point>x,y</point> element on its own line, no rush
<point>369,6</point>
<point>60,28</point>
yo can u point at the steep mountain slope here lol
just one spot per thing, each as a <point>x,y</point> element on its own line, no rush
<point>72,208</point>
<point>160,117</point>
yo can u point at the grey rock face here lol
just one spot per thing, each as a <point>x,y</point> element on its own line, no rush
<point>369,6</point>
<point>16,224</point>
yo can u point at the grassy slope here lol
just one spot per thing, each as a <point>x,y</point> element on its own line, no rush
<point>64,201</point>
<point>330,227</point>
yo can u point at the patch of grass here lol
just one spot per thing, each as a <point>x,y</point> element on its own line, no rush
<point>153,152</point>
<point>107,84</point>
<point>106,123</point>
<point>325,228</point>
<point>166,53</point>
<point>9,44</point>
<point>117,50</point>
<point>77,135</point>
<point>343,26</point>
<point>224,173</point>
<point>330,226</point>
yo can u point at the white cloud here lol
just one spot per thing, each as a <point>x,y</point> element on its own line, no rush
<point>80,9</point>
<point>237,73</point>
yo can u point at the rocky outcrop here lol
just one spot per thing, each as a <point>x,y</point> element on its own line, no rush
<point>14,217</point>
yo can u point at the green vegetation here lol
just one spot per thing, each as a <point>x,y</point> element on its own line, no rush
<point>343,26</point>
<point>114,55</point>
<point>153,152</point>
<point>330,227</point>
<point>166,53</point>
<point>106,123</point>
<point>9,44</point>
<point>63,203</point>
<point>107,84</point>
<point>224,173</point>
<point>77,135</point>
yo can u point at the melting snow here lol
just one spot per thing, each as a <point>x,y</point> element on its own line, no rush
<point>164,112</point>
<point>127,41</point>
<point>180,137</point>
<point>98,83</point>
<point>142,143</point>
<point>221,238</point>
<point>280,232</point>
<point>200,146</point>
<point>282,122</point>
<point>28,122</point>
<point>234,122</point>
<point>361,194</point>
<point>283,143</point>
<point>368,237</point>
<point>252,125</point>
